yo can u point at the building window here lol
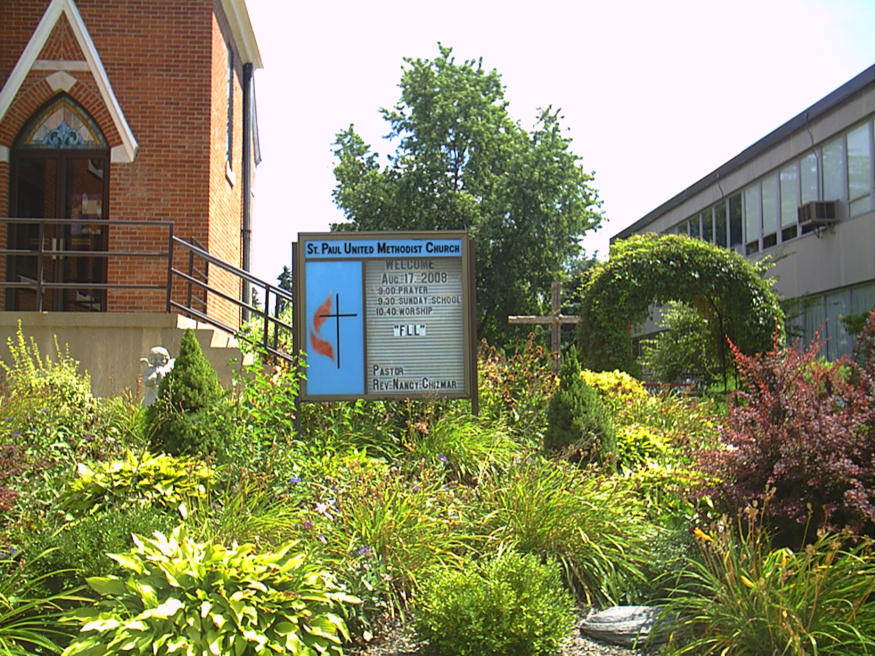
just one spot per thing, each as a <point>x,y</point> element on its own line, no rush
<point>789,177</point>
<point>859,169</point>
<point>808,166</point>
<point>820,316</point>
<point>735,222</point>
<point>720,224</point>
<point>770,211</point>
<point>707,226</point>
<point>63,125</point>
<point>834,170</point>
<point>753,217</point>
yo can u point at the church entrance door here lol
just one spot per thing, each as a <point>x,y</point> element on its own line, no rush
<point>58,183</point>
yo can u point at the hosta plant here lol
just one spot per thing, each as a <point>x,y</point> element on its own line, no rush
<point>162,480</point>
<point>186,597</point>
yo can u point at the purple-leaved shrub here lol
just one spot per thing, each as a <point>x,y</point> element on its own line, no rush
<point>806,429</point>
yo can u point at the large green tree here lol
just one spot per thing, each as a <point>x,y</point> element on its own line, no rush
<point>461,162</point>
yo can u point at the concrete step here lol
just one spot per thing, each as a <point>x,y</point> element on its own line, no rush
<point>215,342</point>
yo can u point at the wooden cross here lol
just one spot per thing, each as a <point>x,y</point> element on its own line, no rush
<point>556,321</point>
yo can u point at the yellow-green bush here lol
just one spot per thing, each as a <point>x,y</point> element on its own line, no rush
<point>618,390</point>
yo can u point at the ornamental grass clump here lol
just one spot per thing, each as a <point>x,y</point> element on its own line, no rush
<point>463,446</point>
<point>592,525</point>
<point>743,596</point>
<point>510,603</point>
<point>29,616</point>
<point>186,597</point>
<point>367,512</point>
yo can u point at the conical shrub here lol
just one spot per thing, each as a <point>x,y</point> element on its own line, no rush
<point>179,422</point>
<point>579,425</point>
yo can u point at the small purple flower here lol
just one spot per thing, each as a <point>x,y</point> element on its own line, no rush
<point>87,437</point>
<point>294,480</point>
<point>44,410</point>
<point>366,552</point>
<point>322,539</point>
<point>306,525</point>
<point>16,433</point>
<point>7,419</point>
<point>442,457</point>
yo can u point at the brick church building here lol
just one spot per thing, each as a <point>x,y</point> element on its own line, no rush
<point>122,124</point>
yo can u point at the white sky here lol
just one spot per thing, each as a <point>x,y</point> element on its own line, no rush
<point>655,95</point>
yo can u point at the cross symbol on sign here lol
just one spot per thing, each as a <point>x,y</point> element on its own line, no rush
<point>337,316</point>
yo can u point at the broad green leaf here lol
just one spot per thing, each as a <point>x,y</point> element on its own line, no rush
<point>103,624</point>
<point>128,562</point>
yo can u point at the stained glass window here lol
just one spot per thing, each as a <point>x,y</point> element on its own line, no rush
<point>62,125</point>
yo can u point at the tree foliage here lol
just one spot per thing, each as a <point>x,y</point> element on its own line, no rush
<point>685,347</point>
<point>730,292</point>
<point>461,162</point>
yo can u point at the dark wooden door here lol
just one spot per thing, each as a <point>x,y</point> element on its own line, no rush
<point>66,185</point>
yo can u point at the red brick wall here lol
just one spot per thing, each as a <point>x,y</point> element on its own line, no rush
<point>166,63</point>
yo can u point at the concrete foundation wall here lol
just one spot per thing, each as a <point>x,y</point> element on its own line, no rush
<point>109,346</point>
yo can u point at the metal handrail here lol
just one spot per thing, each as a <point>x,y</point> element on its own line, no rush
<point>270,320</point>
<point>194,278</point>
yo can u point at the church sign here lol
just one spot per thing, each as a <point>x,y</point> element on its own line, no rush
<point>385,315</point>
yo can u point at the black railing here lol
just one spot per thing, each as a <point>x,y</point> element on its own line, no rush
<point>35,270</point>
<point>274,331</point>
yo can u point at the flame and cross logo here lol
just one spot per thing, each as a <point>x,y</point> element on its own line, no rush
<point>322,314</point>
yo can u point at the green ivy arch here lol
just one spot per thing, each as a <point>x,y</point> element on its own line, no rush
<point>646,269</point>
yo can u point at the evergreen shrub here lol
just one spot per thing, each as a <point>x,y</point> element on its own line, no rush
<point>578,423</point>
<point>507,604</point>
<point>180,421</point>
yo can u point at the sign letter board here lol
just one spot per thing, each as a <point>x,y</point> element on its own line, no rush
<point>385,315</point>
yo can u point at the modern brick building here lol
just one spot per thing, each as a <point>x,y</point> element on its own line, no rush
<point>804,195</point>
<point>134,113</point>
<point>130,110</point>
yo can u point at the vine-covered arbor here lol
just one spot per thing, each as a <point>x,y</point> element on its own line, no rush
<point>643,270</point>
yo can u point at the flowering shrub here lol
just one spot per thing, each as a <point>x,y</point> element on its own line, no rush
<point>805,428</point>
<point>514,389</point>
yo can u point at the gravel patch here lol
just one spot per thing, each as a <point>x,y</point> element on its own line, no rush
<point>397,640</point>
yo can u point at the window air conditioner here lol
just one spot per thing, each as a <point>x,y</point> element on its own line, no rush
<point>817,212</point>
